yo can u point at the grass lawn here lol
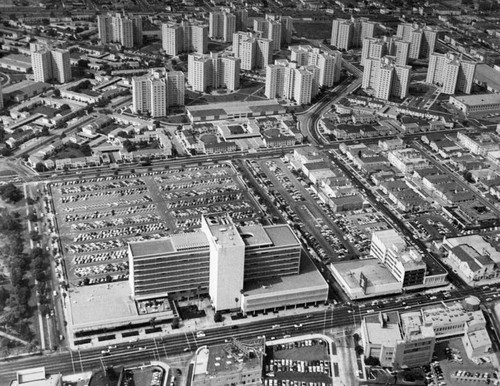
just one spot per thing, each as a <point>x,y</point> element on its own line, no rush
<point>68,152</point>
<point>313,30</point>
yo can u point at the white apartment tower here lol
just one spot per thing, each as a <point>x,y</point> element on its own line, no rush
<point>104,29</point>
<point>120,29</point>
<point>61,65</point>
<point>329,65</point>
<point>288,81</point>
<point>422,39</point>
<point>221,26</point>
<point>51,65</point>
<point>241,19</point>
<point>275,79</point>
<point>451,73</point>
<point>401,50</point>
<point>253,51</point>
<point>184,37</point>
<point>175,88</point>
<point>373,48</point>
<point>41,61</point>
<point>123,30</point>
<point>348,33</point>
<point>270,28</point>
<point>172,39</point>
<point>386,78</point>
<point>303,86</point>
<point>157,91</point>
<point>213,71</point>
<point>286,29</point>
<point>274,34</point>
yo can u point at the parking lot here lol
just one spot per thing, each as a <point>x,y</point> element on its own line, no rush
<point>301,363</point>
<point>453,367</point>
<point>97,217</point>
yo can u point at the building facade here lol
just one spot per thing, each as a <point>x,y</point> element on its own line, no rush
<point>213,71</point>
<point>155,92</point>
<point>386,78</point>
<point>51,65</point>
<point>451,73</point>
<point>184,37</point>
<point>254,52</point>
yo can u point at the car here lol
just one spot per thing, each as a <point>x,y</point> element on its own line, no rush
<point>201,334</point>
<point>298,325</point>
<point>275,326</point>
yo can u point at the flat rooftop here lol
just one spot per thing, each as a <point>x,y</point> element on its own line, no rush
<point>308,278</point>
<point>172,243</point>
<point>386,334</point>
<point>375,272</point>
<point>478,99</point>
<point>236,107</point>
<point>228,358</point>
<point>272,235</point>
<point>102,305</point>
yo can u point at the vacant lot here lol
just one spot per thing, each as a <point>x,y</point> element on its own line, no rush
<point>313,30</point>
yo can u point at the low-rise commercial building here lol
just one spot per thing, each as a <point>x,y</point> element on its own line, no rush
<point>233,363</point>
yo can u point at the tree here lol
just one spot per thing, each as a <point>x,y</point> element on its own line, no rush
<point>65,107</point>
<point>6,152</point>
<point>372,361</point>
<point>359,350</point>
<point>35,236</point>
<point>10,192</point>
<point>218,317</point>
<point>57,93</point>
<point>86,149</point>
<point>175,323</point>
<point>40,167</point>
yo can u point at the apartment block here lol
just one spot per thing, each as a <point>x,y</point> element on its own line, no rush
<point>51,65</point>
<point>350,33</point>
<point>329,65</point>
<point>385,78</point>
<point>221,25</point>
<point>374,48</point>
<point>422,39</point>
<point>213,71</point>
<point>157,91</point>
<point>288,81</point>
<point>451,73</point>
<point>118,28</point>
<point>184,37</point>
<point>254,52</point>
